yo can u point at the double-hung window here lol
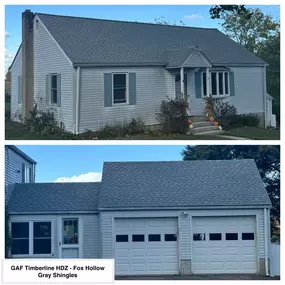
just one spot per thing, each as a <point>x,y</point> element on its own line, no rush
<point>219,83</point>
<point>54,89</point>
<point>120,88</point>
<point>31,238</point>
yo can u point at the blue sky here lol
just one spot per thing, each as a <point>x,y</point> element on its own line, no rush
<point>84,163</point>
<point>191,15</point>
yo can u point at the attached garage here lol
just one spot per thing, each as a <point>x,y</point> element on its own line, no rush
<point>224,245</point>
<point>146,246</point>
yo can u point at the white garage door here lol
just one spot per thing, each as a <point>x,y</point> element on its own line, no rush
<point>224,245</point>
<point>146,246</point>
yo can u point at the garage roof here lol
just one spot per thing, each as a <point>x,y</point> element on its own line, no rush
<point>54,197</point>
<point>133,185</point>
<point>110,42</point>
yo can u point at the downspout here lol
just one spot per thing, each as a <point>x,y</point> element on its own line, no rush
<point>77,100</point>
<point>264,97</point>
<point>266,241</point>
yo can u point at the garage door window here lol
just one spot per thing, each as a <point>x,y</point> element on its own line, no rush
<point>138,238</point>
<point>170,237</point>
<point>232,236</point>
<point>247,236</point>
<point>153,237</point>
<point>122,238</point>
<point>199,237</point>
<point>215,236</point>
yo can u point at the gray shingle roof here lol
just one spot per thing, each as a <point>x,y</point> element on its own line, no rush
<point>95,41</point>
<point>54,197</point>
<point>182,184</point>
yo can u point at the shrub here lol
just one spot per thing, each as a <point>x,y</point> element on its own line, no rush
<point>249,120</point>
<point>173,116</point>
<point>120,129</point>
<point>224,109</point>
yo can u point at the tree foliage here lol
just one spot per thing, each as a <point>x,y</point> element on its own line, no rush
<point>8,239</point>
<point>251,28</point>
<point>267,159</point>
<point>163,21</point>
<point>218,11</point>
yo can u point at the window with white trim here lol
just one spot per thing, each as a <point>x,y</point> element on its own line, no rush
<point>70,231</point>
<point>219,83</point>
<point>28,174</point>
<point>20,238</point>
<point>42,238</point>
<point>31,238</point>
<point>120,88</point>
<point>54,89</point>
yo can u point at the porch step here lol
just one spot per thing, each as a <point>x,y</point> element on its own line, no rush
<point>202,124</point>
<point>196,119</point>
<point>205,129</point>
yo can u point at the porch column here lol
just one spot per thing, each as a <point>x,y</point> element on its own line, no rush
<point>208,81</point>
<point>182,81</point>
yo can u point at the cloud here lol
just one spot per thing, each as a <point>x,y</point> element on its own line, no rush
<point>86,177</point>
<point>193,17</point>
<point>9,56</point>
<point>7,34</point>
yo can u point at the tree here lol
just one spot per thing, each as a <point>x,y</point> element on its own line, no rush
<point>163,21</point>
<point>270,52</point>
<point>267,159</point>
<point>219,10</point>
<point>8,239</point>
<point>251,28</point>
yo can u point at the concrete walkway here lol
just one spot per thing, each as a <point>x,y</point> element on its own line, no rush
<point>201,277</point>
<point>232,137</point>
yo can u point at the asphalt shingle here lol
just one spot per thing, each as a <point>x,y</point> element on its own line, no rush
<point>54,197</point>
<point>182,184</point>
<point>106,42</point>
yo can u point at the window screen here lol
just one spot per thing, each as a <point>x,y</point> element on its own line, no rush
<point>120,88</point>
<point>42,237</point>
<point>20,238</point>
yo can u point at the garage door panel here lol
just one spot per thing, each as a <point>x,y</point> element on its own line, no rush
<point>153,255</point>
<point>225,255</point>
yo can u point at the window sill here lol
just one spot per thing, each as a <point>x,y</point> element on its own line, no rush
<point>32,255</point>
<point>120,104</point>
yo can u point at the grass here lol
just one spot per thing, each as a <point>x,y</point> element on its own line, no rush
<point>255,133</point>
<point>17,131</point>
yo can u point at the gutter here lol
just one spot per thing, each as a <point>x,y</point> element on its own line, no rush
<point>77,100</point>
<point>266,241</point>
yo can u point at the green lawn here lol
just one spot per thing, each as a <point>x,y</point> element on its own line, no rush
<point>255,133</point>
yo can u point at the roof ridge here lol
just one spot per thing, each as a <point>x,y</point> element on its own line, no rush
<point>129,22</point>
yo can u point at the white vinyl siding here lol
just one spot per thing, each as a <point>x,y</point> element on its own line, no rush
<point>90,236</point>
<point>49,59</point>
<point>248,86</point>
<point>153,85</point>
<point>13,167</point>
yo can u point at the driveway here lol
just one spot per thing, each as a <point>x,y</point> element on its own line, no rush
<point>201,277</point>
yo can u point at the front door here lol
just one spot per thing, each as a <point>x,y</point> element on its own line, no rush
<point>69,241</point>
<point>178,94</point>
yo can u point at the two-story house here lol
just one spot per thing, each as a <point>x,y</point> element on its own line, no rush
<point>19,168</point>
